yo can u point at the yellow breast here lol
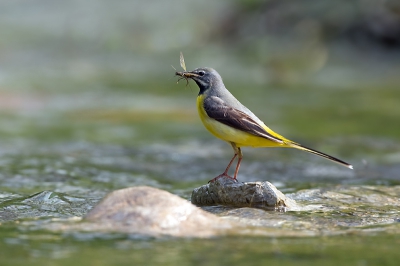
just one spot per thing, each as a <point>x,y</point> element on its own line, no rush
<point>230,134</point>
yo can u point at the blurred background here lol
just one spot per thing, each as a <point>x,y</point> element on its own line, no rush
<point>89,102</point>
<point>99,73</point>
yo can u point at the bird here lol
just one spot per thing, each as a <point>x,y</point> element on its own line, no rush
<point>229,120</point>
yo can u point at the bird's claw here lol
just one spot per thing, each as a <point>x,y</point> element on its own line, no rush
<point>222,175</point>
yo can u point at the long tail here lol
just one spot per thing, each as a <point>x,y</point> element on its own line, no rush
<point>336,160</point>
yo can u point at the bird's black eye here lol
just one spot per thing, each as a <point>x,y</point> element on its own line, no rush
<point>202,73</point>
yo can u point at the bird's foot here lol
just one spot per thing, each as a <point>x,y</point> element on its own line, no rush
<point>222,175</point>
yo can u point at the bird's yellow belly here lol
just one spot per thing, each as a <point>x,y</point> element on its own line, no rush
<point>230,134</point>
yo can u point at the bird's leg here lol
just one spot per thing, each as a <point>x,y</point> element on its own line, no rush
<point>225,173</point>
<point>238,163</point>
<point>229,165</point>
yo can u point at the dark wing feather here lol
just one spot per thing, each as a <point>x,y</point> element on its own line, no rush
<point>218,110</point>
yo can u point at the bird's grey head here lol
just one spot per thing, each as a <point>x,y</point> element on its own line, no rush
<point>205,77</point>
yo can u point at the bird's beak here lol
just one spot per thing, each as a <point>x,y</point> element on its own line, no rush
<point>186,74</point>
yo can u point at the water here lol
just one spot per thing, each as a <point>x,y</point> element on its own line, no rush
<point>80,118</point>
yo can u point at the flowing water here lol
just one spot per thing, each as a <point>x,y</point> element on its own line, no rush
<point>77,123</point>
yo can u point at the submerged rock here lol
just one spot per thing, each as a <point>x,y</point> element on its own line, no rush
<point>224,191</point>
<point>151,211</point>
<point>146,211</point>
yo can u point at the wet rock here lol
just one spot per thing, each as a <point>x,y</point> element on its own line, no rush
<point>224,191</point>
<point>151,211</point>
<point>145,211</point>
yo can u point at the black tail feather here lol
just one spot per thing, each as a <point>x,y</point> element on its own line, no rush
<point>336,160</point>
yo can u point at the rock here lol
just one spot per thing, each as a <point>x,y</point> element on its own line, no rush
<point>154,212</point>
<point>224,191</point>
<point>145,211</point>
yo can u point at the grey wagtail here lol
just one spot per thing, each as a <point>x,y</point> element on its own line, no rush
<point>227,119</point>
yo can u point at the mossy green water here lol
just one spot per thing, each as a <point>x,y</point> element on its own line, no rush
<point>41,248</point>
<point>89,104</point>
